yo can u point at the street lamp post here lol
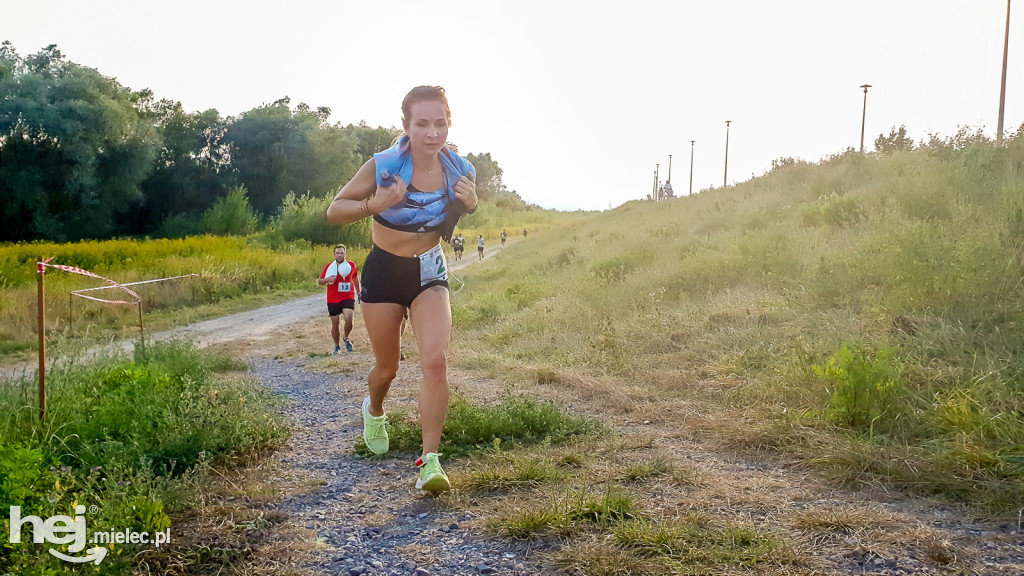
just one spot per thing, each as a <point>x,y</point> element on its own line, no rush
<point>725,178</point>
<point>1002,88</point>
<point>657,181</point>
<point>864,116</point>
<point>691,166</point>
<point>669,179</point>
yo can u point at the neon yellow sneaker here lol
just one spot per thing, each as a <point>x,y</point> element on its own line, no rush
<point>374,433</point>
<point>432,477</point>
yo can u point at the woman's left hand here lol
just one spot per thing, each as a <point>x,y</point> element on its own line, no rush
<point>465,191</point>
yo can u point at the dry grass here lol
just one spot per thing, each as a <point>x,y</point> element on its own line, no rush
<point>234,525</point>
<point>677,453</point>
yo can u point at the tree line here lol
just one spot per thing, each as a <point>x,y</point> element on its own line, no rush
<point>82,156</point>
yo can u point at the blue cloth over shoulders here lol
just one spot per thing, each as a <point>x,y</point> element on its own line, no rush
<point>422,211</point>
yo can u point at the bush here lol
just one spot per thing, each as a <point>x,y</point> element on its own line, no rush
<point>305,217</point>
<point>118,437</point>
<point>866,386</point>
<point>231,215</point>
<point>179,226</point>
<point>834,210</point>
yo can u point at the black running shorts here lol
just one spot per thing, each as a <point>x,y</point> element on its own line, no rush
<point>335,308</point>
<point>387,278</point>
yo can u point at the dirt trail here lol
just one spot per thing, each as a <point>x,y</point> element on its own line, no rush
<point>258,324</point>
<point>264,322</point>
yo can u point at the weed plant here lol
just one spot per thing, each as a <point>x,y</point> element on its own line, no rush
<point>871,299</point>
<point>126,438</point>
<point>473,428</point>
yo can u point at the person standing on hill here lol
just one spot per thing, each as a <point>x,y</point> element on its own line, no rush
<point>480,246</point>
<point>342,283</point>
<point>415,192</point>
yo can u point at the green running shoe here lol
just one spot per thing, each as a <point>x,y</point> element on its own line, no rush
<point>374,433</point>
<point>432,477</point>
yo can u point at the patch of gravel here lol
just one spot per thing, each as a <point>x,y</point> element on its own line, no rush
<point>368,515</point>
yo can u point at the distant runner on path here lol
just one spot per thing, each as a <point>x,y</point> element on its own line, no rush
<point>524,232</point>
<point>480,246</point>
<point>459,244</point>
<point>504,236</point>
<point>342,283</point>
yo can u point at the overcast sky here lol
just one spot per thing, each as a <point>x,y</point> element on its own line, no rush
<point>576,101</point>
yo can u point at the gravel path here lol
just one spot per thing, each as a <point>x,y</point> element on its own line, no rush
<point>368,513</point>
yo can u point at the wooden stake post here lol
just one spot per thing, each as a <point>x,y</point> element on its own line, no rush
<point>42,342</point>
<point>142,333</point>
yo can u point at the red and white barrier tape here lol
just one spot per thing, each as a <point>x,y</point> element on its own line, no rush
<point>78,292</point>
<point>76,270</point>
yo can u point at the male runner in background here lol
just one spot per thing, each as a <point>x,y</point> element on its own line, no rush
<point>342,283</point>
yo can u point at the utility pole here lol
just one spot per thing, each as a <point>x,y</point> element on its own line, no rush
<point>863,116</point>
<point>725,178</point>
<point>1002,88</point>
<point>669,179</point>
<point>691,166</point>
<point>657,181</point>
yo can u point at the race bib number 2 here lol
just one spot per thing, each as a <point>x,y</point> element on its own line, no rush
<point>433,266</point>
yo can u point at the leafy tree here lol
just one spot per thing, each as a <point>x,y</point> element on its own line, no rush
<point>371,140</point>
<point>75,149</point>
<point>489,185</point>
<point>488,175</point>
<point>334,153</point>
<point>231,214</point>
<point>896,141</point>
<point>275,151</point>
<point>190,169</point>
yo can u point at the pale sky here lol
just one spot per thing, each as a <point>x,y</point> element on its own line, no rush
<point>576,101</point>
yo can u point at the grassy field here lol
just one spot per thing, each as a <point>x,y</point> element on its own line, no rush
<point>234,273</point>
<point>132,439</point>
<point>861,316</point>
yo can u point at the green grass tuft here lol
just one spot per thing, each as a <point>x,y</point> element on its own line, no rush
<point>471,428</point>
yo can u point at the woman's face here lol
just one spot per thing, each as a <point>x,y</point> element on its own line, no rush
<point>428,127</point>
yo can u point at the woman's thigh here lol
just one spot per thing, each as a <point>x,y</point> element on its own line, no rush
<point>384,327</point>
<point>431,317</point>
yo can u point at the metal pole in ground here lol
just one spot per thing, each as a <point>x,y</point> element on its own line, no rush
<point>71,313</point>
<point>864,116</point>
<point>691,166</point>
<point>1002,88</point>
<point>41,306</point>
<point>725,175</point>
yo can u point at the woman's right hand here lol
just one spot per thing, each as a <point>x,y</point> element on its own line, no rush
<point>387,197</point>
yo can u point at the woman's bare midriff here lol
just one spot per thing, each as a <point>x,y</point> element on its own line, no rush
<point>404,244</point>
